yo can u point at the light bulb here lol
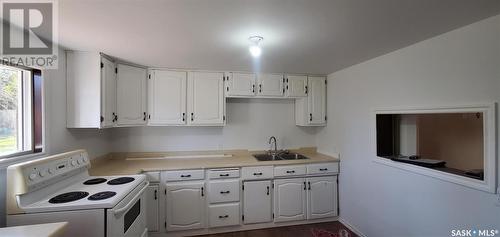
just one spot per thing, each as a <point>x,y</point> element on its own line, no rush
<point>255,51</point>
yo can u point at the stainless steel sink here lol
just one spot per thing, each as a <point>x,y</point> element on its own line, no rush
<point>292,156</point>
<point>279,156</point>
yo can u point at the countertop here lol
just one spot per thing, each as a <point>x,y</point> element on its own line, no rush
<point>138,162</point>
<point>40,230</point>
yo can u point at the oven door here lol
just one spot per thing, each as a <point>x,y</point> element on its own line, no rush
<point>128,217</point>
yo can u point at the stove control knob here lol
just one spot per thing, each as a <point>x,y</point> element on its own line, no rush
<point>85,159</point>
<point>73,163</point>
<point>33,176</point>
<point>42,173</point>
<point>80,161</point>
<point>51,170</point>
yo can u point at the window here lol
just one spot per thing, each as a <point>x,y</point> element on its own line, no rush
<point>456,144</point>
<point>20,111</point>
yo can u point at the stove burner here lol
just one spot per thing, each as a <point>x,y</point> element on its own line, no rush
<point>121,180</point>
<point>101,195</point>
<point>68,197</point>
<point>95,181</point>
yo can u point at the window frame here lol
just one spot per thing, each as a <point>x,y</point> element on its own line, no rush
<point>36,126</point>
<point>488,184</point>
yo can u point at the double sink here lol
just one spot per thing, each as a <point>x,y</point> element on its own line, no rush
<point>279,156</point>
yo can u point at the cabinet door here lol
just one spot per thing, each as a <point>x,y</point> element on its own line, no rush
<point>289,199</point>
<point>152,207</point>
<point>131,95</point>
<point>317,100</point>
<point>206,98</point>
<point>185,206</point>
<point>321,197</point>
<point>296,86</point>
<point>241,85</point>
<point>167,97</point>
<point>270,85</point>
<point>108,93</point>
<point>257,202</point>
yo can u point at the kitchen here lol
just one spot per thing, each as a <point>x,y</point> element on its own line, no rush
<point>191,109</point>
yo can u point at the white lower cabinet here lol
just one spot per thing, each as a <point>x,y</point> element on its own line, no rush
<point>224,215</point>
<point>257,202</point>
<point>198,200</point>
<point>153,205</point>
<point>185,205</point>
<point>289,199</point>
<point>321,197</point>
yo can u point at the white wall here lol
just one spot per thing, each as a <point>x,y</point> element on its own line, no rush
<point>459,67</point>
<point>250,124</point>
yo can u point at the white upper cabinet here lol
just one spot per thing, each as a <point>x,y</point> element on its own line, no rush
<point>296,86</point>
<point>131,95</point>
<point>289,199</point>
<point>206,101</point>
<point>240,84</point>
<point>322,197</point>
<point>167,97</point>
<point>270,85</point>
<point>311,111</point>
<point>317,100</point>
<point>108,93</point>
<point>90,90</point>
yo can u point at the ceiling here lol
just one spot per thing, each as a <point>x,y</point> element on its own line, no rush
<point>301,36</point>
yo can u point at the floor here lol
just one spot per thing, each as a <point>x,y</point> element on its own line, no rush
<point>296,231</point>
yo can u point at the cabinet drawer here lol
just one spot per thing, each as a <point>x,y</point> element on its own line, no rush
<point>224,173</point>
<point>224,191</point>
<point>257,172</point>
<point>323,168</point>
<point>224,214</point>
<point>289,170</point>
<point>179,175</point>
<point>153,177</point>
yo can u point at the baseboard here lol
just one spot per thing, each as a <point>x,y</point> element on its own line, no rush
<point>351,227</point>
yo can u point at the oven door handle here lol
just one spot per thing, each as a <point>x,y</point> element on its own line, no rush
<point>119,211</point>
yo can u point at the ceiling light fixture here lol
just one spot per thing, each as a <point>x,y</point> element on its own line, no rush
<point>255,49</point>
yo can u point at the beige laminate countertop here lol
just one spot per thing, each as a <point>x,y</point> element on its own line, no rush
<point>135,162</point>
<point>40,230</point>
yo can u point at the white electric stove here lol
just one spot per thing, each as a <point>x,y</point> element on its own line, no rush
<point>59,188</point>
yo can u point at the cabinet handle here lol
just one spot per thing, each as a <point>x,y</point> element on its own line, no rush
<point>323,169</point>
<point>144,116</point>
<point>224,192</point>
<point>253,88</point>
<point>223,217</point>
<point>114,117</point>
<point>310,117</point>
<point>309,183</point>
<point>257,173</point>
<point>290,171</point>
<point>305,186</point>
<point>156,194</point>
<point>223,175</point>
<point>267,191</point>
<point>192,116</point>
<point>306,89</point>
<point>260,88</point>
<point>202,193</point>
<point>183,117</point>
<point>185,175</point>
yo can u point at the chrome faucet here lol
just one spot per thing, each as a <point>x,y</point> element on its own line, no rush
<point>272,139</point>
